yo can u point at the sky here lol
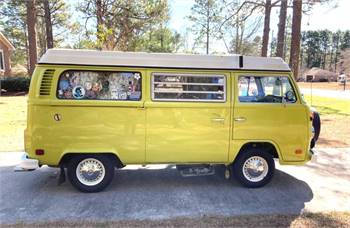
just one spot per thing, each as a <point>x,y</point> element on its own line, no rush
<point>321,17</point>
<point>324,16</point>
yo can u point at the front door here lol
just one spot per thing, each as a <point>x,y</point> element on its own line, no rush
<point>188,117</point>
<point>267,109</point>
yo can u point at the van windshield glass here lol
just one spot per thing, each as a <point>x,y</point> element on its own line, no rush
<point>266,89</point>
<point>99,85</point>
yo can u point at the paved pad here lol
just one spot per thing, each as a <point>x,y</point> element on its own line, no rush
<point>157,192</point>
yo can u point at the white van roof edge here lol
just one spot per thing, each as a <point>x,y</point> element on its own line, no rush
<point>161,60</point>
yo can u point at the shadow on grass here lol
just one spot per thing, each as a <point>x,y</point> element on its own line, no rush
<point>328,111</point>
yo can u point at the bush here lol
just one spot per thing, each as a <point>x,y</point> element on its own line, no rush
<point>324,80</point>
<point>15,84</point>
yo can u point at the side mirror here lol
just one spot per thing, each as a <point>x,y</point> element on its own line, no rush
<point>290,95</point>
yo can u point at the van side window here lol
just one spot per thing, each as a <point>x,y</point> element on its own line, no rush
<point>264,89</point>
<point>99,85</point>
<point>188,87</point>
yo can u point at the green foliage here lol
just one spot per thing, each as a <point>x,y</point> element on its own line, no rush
<point>13,26</point>
<point>60,16</point>
<point>322,48</point>
<point>159,40</point>
<point>15,84</point>
<point>119,23</point>
<point>345,42</point>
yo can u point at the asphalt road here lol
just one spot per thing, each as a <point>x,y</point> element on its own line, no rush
<point>157,192</point>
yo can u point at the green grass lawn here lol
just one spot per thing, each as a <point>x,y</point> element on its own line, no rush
<point>13,111</point>
<point>329,106</point>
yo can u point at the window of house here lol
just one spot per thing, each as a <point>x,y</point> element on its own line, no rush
<point>188,87</point>
<point>99,85</point>
<point>2,60</point>
<point>264,89</point>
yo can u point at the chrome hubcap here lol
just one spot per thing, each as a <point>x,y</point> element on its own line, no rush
<point>90,171</point>
<point>255,169</point>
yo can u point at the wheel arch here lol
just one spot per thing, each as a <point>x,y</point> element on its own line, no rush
<point>269,146</point>
<point>67,156</point>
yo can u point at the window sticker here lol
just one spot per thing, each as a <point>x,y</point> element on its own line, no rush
<point>78,92</point>
<point>99,85</point>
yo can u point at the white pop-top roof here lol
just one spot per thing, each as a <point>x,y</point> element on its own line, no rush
<point>161,60</point>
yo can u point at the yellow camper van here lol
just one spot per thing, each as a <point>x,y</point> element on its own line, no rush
<point>90,112</point>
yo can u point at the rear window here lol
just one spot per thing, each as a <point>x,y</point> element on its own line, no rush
<point>99,85</point>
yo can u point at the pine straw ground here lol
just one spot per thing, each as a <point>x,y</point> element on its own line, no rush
<point>334,219</point>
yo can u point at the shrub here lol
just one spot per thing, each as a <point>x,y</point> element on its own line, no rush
<point>15,84</point>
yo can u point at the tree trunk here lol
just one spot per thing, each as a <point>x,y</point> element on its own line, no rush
<point>237,35</point>
<point>31,20</point>
<point>336,56</point>
<point>265,41</point>
<point>99,28</point>
<point>48,25</point>
<point>295,43</point>
<point>162,38</point>
<point>331,60</point>
<point>281,29</point>
<point>208,28</point>
<point>26,45</point>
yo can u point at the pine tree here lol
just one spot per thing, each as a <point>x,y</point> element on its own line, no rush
<point>31,23</point>
<point>205,17</point>
<point>296,35</point>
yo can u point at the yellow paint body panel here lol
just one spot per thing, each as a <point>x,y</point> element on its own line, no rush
<point>146,131</point>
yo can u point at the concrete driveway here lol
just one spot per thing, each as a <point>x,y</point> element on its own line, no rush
<point>157,192</point>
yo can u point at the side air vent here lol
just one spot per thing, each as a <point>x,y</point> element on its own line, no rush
<point>45,86</point>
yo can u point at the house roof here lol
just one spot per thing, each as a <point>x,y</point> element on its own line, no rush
<point>161,60</point>
<point>6,42</point>
<point>315,71</point>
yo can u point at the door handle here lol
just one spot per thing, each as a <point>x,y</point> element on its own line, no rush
<point>240,119</point>
<point>218,119</point>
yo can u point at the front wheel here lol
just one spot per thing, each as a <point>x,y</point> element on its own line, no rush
<point>254,168</point>
<point>90,173</point>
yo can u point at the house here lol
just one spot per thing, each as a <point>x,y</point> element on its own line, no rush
<point>5,52</point>
<point>319,75</point>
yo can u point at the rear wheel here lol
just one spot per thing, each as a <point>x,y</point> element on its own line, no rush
<point>90,173</point>
<point>254,167</point>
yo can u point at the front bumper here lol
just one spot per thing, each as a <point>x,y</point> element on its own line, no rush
<point>27,164</point>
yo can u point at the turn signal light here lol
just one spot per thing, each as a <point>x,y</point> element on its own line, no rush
<point>311,116</point>
<point>298,151</point>
<point>39,152</point>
